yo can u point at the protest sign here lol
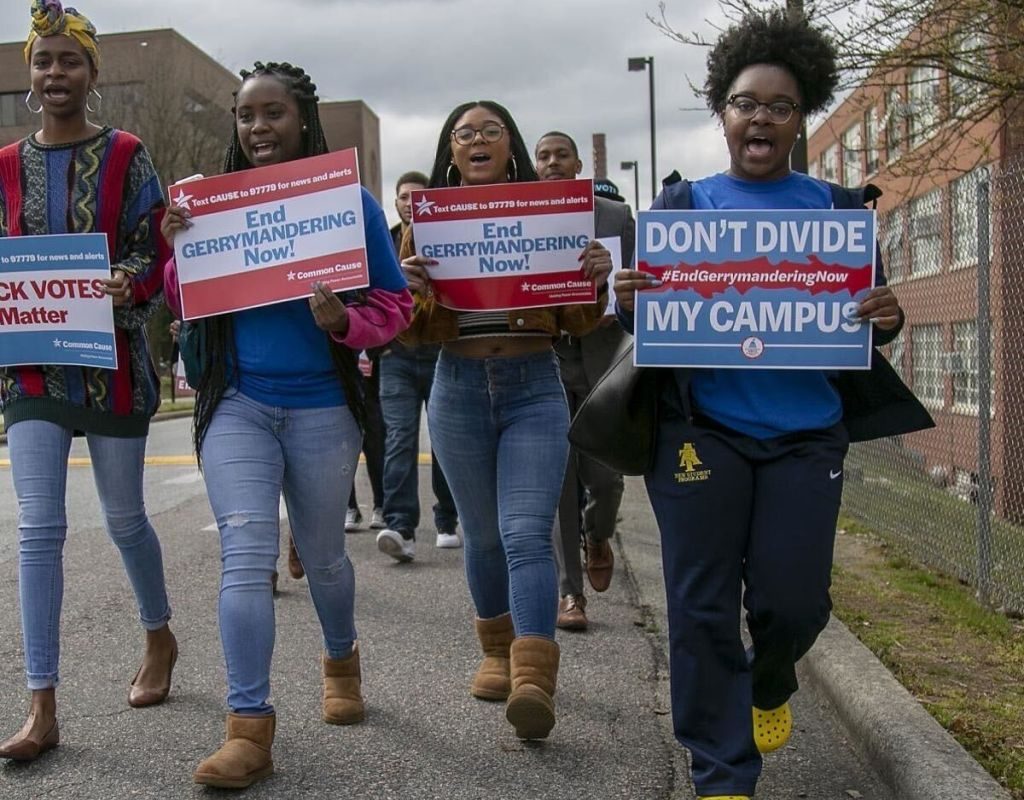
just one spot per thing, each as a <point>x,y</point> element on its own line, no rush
<point>506,245</point>
<point>53,309</point>
<point>266,235</point>
<point>755,289</point>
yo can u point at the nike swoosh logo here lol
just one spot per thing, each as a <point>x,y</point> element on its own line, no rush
<point>834,475</point>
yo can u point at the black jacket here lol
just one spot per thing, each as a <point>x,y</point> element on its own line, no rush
<point>876,402</point>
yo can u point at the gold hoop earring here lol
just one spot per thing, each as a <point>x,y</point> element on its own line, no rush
<point>448,176</point>
<point>28,103</point>
<point>99,103</point>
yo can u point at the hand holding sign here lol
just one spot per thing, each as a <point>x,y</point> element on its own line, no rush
<point>119,287</point>
<point>596,262</point>
<point>329,312</point>
<point>416,275</point>
<point>881,307</point>
<point>630,281</point>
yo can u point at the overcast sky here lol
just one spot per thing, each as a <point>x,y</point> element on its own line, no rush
<point>552,63</point>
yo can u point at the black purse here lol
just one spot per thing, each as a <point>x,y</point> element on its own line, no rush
<point>617,423</point>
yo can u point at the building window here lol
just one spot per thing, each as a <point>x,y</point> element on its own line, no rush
<point>895,112</point>
<point>925,234</point>
<point>972,53</point>
<point>963,193</point>
<point>871,140</point>
<point>893,240</point>
<point>896,351</point>
<point>8,113</point>
<point>853,171</point>
<point>813,169</point>
<point>923,89</point>
<point>830,164</point>
<point>926,358</point>
<point>963,366</point>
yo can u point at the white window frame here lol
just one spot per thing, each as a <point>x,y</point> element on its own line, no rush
<point>872,154</point>
<point>895,132</point>
<point>963,224</point>
<point>853,149</point>
<point>925,231</point>
<point>924,90</point>
<point>893,240</point>
<point>972,49</point>
<point>963,368</point>
<point>830,163</point>
<point>926,365</point>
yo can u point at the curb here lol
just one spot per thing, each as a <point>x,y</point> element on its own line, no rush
<point>158,417</point>
<point>909,751</point>
<point>913,754</point>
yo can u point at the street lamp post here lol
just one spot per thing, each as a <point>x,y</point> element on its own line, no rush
<point>633,165</point>
<point>639,65</point>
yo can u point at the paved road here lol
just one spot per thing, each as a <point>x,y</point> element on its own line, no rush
<point>425,737</point>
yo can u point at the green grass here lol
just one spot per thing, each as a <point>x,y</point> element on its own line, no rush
<point>963,661</point>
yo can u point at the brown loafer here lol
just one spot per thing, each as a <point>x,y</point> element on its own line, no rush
<point>140,698</point>
<point>600,562</point>
<point>25,748</point>
<point>572,614</point>
<point>295,568</point>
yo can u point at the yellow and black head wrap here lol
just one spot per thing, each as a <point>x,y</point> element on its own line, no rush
<point>50,18</point>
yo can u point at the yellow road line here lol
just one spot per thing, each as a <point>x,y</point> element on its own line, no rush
<point>181,461</point>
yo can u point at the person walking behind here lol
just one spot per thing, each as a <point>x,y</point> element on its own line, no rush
<point>374,434</point>
<point>278,408</point>
<point>406,375</point>
<point>582,360</point>
<point>73,176</point>
<point>759,523</point>
<point>499,422</point>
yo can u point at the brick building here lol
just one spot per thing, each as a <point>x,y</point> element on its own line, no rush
<point>897,134</point>
<point>177,98</point>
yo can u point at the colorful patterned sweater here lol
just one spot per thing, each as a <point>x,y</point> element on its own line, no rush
<point>104,184</point>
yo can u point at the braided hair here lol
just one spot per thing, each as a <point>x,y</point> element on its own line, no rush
<point>221,355</point>
<point>520,155</point>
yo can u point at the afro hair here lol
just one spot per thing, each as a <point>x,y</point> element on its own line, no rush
<point>778,38</point>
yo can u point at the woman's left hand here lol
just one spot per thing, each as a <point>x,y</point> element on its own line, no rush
<point>119,286</point>
<point>329,312</point>
<point>596,262</point>
<point>881,308</point>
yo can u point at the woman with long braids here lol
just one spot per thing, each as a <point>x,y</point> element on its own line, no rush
<point>74,176</point>
<point>768,445</point>
<point>277,409</point>
<point>498,420</point>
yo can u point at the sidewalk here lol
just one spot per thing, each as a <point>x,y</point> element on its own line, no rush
<point>848,700</point>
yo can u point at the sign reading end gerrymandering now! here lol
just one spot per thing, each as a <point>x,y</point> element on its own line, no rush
<point>506,245</point>
<point>267,235</point>
<point>755,289</point>
<point>53,309</point>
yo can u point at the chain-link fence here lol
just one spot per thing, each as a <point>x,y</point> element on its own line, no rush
<point>954,496</point>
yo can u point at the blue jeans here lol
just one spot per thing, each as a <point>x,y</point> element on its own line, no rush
<point>405,382</point>
<point>251,455</point>
<point>499,428</point>
<point>39,465</point>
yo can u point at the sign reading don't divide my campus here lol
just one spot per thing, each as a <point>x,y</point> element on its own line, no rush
<point>53,309</point>
<point>506,245</point>
<point>267,235</point>
<point>755,289</point>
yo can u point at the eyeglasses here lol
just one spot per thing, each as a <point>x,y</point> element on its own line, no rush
<point>779,111</point>
<point>491,133</point>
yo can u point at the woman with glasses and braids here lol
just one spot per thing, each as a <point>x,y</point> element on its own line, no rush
<point>73,176</point>
<point>498,422</point>
<point>278,408</point>
<point>766,446</point>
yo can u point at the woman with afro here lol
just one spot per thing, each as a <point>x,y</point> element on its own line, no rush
<point>769,443</point>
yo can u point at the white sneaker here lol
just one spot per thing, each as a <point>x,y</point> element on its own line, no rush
<point>353,520</point>
<point>377,520</point>
<point>393,544</point>
<point>448,540</point>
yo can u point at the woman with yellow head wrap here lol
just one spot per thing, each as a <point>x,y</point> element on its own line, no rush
<point>72,177</point>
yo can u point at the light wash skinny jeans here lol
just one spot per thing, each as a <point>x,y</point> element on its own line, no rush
<point>39,466</point>
<point>499,428</point>
<point>251,454</point>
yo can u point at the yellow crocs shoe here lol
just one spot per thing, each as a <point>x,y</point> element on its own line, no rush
<point>772,728</point>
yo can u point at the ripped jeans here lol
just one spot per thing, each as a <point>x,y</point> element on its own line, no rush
<point>252,453</point>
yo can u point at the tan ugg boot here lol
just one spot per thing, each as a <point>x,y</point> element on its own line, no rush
<point>343,700</point>
<point>492,681</point>
<point>244,758</point>
<point>531,706</point>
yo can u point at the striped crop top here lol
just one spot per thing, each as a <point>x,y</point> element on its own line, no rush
<point>477,324</point>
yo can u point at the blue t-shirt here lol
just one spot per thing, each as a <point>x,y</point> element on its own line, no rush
<point>284,359</point>
<point>769,402</point>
